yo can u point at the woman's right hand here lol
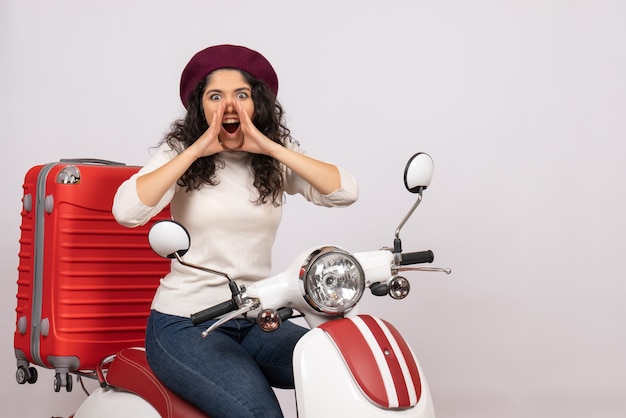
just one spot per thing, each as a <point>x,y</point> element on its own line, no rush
<point>209,143</point>
<point>152,186</point>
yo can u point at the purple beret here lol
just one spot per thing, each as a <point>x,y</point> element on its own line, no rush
<point>225,56</point>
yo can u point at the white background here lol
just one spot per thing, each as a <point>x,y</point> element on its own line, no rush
<point>522,105</point>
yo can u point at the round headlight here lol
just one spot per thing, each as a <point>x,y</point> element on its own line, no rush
<point>332,280</point>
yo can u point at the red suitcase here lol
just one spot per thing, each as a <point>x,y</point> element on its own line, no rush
<point>85,283</point>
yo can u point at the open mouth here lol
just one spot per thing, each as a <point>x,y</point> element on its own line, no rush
<point>231,127</point>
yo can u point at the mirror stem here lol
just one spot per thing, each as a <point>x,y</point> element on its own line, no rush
<point>408,215</point>
<point>208,270</point>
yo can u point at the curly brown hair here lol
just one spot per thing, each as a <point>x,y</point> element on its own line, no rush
<point>268,118</point>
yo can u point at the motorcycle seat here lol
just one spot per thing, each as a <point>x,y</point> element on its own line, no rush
<point>129,371</point>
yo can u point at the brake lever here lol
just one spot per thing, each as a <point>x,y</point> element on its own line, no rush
<point>247,306</point>
<point>435,269</point>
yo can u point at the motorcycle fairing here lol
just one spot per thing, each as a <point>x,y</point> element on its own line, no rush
<point>379,359</point>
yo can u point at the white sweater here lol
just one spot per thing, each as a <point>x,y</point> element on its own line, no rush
<point>229,231</point>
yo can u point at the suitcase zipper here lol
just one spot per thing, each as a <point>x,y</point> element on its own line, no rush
<point>40,209</point>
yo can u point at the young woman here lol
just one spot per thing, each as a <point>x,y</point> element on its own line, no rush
<point>224,170</point>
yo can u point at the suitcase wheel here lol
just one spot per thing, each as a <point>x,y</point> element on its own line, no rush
<point>59,382</point>
<point>26,375</point>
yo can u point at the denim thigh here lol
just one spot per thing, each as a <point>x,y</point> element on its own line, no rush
<point>227,374</point>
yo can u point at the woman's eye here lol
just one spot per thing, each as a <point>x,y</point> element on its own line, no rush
<point>242,95</point>
<point>215,97</point>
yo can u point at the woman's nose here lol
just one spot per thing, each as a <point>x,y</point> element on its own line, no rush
<point>229,103</point>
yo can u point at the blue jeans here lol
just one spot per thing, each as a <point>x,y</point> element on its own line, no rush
<point>227,374</point>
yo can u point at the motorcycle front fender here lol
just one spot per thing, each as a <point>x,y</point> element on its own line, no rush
<point>326,386</point>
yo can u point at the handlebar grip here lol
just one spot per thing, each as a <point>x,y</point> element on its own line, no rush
<point>417,257</point>
<point>213,312</point>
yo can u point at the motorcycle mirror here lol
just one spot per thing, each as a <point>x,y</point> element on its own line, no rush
<point>168,238</point>
<point>417,176</point>
<point>418,172</point>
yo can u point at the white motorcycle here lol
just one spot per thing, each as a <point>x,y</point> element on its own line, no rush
<point>348,364</point>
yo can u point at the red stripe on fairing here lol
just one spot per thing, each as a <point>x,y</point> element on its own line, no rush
<point>392,360</point>
<point>410,359</point>
<point>399,378</point>
<point>359,357</point>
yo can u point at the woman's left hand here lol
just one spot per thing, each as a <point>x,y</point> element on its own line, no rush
<point>324,177</point>
<point>253,140</point>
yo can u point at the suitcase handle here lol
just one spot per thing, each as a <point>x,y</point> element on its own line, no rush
<point>90,161</point>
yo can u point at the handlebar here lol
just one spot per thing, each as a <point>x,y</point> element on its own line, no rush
<point>418,257</point>
<point>213,312</point>
<point>230,305</point>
